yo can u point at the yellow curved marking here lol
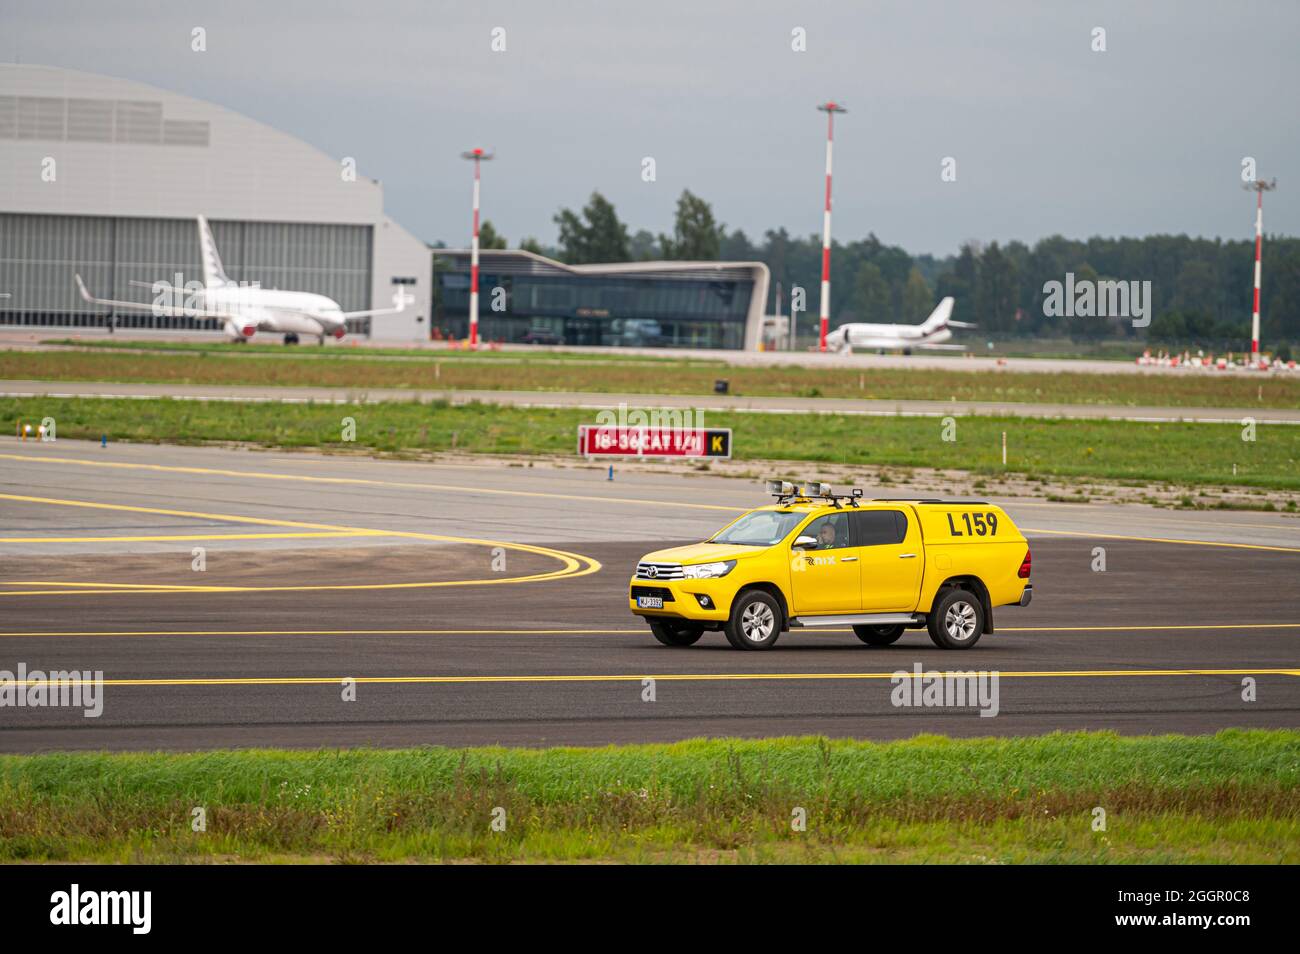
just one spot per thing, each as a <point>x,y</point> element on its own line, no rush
<point>572,564</point>
<point>367,482</point>
<point>665,677</point>
<point>637,631</point>
<point>1187,543</point>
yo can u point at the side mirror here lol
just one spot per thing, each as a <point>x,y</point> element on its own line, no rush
<point>805,543</point>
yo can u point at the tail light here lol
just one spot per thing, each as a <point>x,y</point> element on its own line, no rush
<point>1026,565</point>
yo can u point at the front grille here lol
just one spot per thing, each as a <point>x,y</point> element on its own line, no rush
<point>659,571</point>
<point>660,591</point>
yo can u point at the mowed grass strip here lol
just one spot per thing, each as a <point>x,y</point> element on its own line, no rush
<point>271,346</point>
<point>1234,796</point>
<point>630,374</point>
<point>1182,453</point>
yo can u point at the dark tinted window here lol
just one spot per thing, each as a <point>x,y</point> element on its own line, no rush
<point>873,528</point>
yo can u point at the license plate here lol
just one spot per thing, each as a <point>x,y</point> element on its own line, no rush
<point>649,602</point>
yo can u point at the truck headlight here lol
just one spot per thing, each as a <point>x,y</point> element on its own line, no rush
<point>708,571</point>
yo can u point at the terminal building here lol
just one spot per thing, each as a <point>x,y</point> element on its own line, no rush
<point>525,297</point>
<point>105,177</point>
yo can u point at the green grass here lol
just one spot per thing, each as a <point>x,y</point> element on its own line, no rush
<point>1194,454</point>
<point>1234,796</point>
<point>626,374</point>
<point>271,346</point>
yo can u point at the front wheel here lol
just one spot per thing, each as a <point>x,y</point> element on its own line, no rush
<point>755,621</point>
<point>878,635</point>
<point>956,620</point>
<point>676,634</point>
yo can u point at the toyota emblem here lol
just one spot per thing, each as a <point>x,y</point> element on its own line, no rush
<point>652,571</point>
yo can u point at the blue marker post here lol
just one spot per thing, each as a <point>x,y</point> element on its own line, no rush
<point>611,471</point>
<point>103,440</point>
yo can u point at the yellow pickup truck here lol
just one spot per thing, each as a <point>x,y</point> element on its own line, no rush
<point>813,558</point>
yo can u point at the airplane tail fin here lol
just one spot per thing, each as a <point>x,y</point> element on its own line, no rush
<point>213,274</point>
<point>939,317</point>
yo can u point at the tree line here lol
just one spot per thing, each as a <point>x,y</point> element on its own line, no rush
<point>1201,289</point>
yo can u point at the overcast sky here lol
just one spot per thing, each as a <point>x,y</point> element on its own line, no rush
<point>1048,136</point>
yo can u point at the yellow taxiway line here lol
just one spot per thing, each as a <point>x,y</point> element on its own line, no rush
<point>1186,543</point>
<point>455,488</point>
<point>665,677</point>
<point>367,482</point>
<point>634,631</point>
<point>188,537</point>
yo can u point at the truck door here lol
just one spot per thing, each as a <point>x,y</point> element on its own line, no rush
<point>892,558</point>
<point>824,575</point>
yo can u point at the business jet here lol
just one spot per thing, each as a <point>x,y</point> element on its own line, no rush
<point>244,309</point>
<point>929,334</point>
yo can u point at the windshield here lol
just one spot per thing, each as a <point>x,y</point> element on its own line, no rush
<point>762,528</point>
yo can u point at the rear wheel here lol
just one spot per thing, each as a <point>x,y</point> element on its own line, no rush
<point>676,634</point>
<point>291,339</point>
<point>755,621</point>
<point>957,620</point>
<point>878,635</point>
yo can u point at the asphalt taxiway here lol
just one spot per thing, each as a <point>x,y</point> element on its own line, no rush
<point>485,603</point>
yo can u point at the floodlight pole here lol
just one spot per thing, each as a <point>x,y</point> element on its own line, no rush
<point>479,156</point>
<point>830,109</point>
<point>1259,187</point>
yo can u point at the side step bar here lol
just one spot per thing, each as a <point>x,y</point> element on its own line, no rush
<point>859,619</point>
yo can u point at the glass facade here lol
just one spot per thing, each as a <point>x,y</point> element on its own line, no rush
<point>40,253</point>
<point>527,299</point>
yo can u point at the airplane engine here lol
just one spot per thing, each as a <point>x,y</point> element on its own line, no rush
<point>237,333</point>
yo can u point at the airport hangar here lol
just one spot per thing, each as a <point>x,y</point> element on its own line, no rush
<point>105,176</point>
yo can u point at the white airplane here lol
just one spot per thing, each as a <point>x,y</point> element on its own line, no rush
<point>929,334</point>
<point>243,309</point>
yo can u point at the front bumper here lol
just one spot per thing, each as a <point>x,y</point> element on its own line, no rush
<point>706,601</point>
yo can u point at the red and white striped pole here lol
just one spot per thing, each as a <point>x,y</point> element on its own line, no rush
<point>1259,188</point>
<point>478,155</point>
<point>830,109</point>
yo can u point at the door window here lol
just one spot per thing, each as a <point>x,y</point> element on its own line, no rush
<point>831,532</point>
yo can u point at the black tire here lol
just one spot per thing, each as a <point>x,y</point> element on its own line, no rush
<point>878,635</point>
<point>956,621</point>
<point>756,621</point>
<point>676,634</point>
<point>291,339</point>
